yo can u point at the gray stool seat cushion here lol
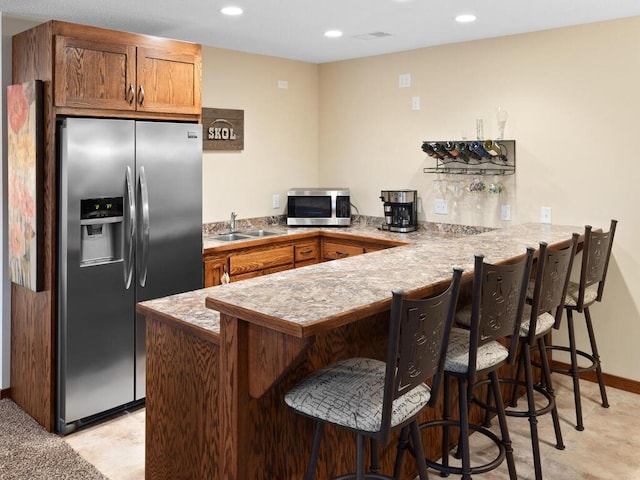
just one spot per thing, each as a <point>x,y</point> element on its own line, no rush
<point>544,322</point>
<point>463,316</point>
<point>349,393</point>
<point>590,294</point>
<point>457,360</point>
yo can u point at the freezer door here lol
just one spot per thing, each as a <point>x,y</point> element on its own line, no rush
<point>95,307</point>
<point>169,217</point>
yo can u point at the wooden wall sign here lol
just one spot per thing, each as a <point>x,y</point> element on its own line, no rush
<point>223,129</point>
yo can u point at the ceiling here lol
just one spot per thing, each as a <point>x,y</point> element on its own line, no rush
<point>294,29</point>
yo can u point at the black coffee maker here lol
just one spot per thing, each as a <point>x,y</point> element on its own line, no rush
<point>400,210</point>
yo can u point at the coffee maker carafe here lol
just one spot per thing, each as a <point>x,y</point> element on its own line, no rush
<point>400,210</point>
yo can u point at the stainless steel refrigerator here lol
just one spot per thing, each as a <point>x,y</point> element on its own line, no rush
<point>130,229</point>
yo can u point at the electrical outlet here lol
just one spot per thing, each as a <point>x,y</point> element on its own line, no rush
<point>441,207</point>
<point>275,201</point>
<point>505,212</point>
<point>545,215</point>
<point>415,103</point>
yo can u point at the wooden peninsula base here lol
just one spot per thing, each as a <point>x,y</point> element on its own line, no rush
<point>184,394</point>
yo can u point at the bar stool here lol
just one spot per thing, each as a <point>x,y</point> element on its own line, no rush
<point>580,296</point>
<point>377,398</point>
<point>544,306</point>
<point>498,298</point>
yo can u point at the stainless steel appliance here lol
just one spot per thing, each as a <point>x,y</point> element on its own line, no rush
<point>130,229</point>
<point>319,207</point>
<point>400,210</point>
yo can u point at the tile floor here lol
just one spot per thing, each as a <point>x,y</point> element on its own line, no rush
<point>606,450</point>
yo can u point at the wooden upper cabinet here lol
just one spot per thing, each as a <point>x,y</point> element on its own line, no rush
<point>122,72</point>
<point>168,80</point>
<point>94,75</point>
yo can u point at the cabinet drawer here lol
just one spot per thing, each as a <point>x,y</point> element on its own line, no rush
<point>260,260</point>
<point>307,253</point>
<point>334,250</point>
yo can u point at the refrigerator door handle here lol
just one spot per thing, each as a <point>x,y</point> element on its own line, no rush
<point>144,253</point>
<point>130,229</point>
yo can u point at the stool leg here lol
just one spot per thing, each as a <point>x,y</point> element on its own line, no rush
<point>403,442</point>
<point>375,463</point>
<point>514,392</point>
<point>417,447</point>
<point>463,443</point>
<point>574,370</point>
<point>313,458</point>
<point>502,418</point>
<point>596,357</point>
<point>446,415</point>
<point>359,457</point>
<point>487,412</point>
<point>533,419</point>
<point>546,375</point>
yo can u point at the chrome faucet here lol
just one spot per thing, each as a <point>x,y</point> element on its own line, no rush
<point>232,222</point>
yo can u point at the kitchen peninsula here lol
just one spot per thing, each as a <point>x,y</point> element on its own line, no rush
<point>220,359</point>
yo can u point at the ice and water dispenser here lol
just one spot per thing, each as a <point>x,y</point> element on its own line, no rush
<point>101,223</point>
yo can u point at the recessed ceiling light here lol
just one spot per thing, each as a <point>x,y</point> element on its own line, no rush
<point>333,33</point>
<point>233,11</point>
<point>466,18</point>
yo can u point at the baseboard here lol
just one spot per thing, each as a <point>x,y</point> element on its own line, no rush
<point>6,393</point>
<point>613,381</point>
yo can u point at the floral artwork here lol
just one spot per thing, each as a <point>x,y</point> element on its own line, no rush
<point>24,137</point>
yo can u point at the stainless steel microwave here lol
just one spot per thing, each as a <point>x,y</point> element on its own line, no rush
<point>319,207</point>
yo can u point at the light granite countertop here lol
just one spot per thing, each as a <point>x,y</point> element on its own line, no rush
<point>308,295</point>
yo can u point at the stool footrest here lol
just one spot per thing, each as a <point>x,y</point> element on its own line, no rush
<point>568,371</point>
<point>367,476</point>
<point>475,469</point>
<point>518,413</point>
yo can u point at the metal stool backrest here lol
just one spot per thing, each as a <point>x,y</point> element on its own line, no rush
<point>595,261</point>
<point>418,339</point>
<point>499,293</point>
<point>553,271</point>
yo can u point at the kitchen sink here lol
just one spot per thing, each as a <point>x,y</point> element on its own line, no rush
<point>229,237</point>
<point>260,233</point>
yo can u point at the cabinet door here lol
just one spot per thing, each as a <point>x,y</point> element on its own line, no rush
<point>169,79</point>
<point>213,271</point>
<point>94,74</point>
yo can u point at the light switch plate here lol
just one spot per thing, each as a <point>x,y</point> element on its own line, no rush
<point>545,215</point>
<point>404,80</point>
<point>505,212</point>
<point>276,200</point>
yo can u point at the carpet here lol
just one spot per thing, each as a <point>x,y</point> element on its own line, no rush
<point>29,452</point>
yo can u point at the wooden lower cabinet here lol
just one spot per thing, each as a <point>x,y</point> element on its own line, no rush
<point>280,254</point>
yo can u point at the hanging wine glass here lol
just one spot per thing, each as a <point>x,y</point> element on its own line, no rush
<point>501,117</point>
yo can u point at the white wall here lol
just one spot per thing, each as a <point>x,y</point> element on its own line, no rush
<point>572,95</point>
<point>281,132</point>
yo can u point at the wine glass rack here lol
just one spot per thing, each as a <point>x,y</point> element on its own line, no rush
<point>471,157</point>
